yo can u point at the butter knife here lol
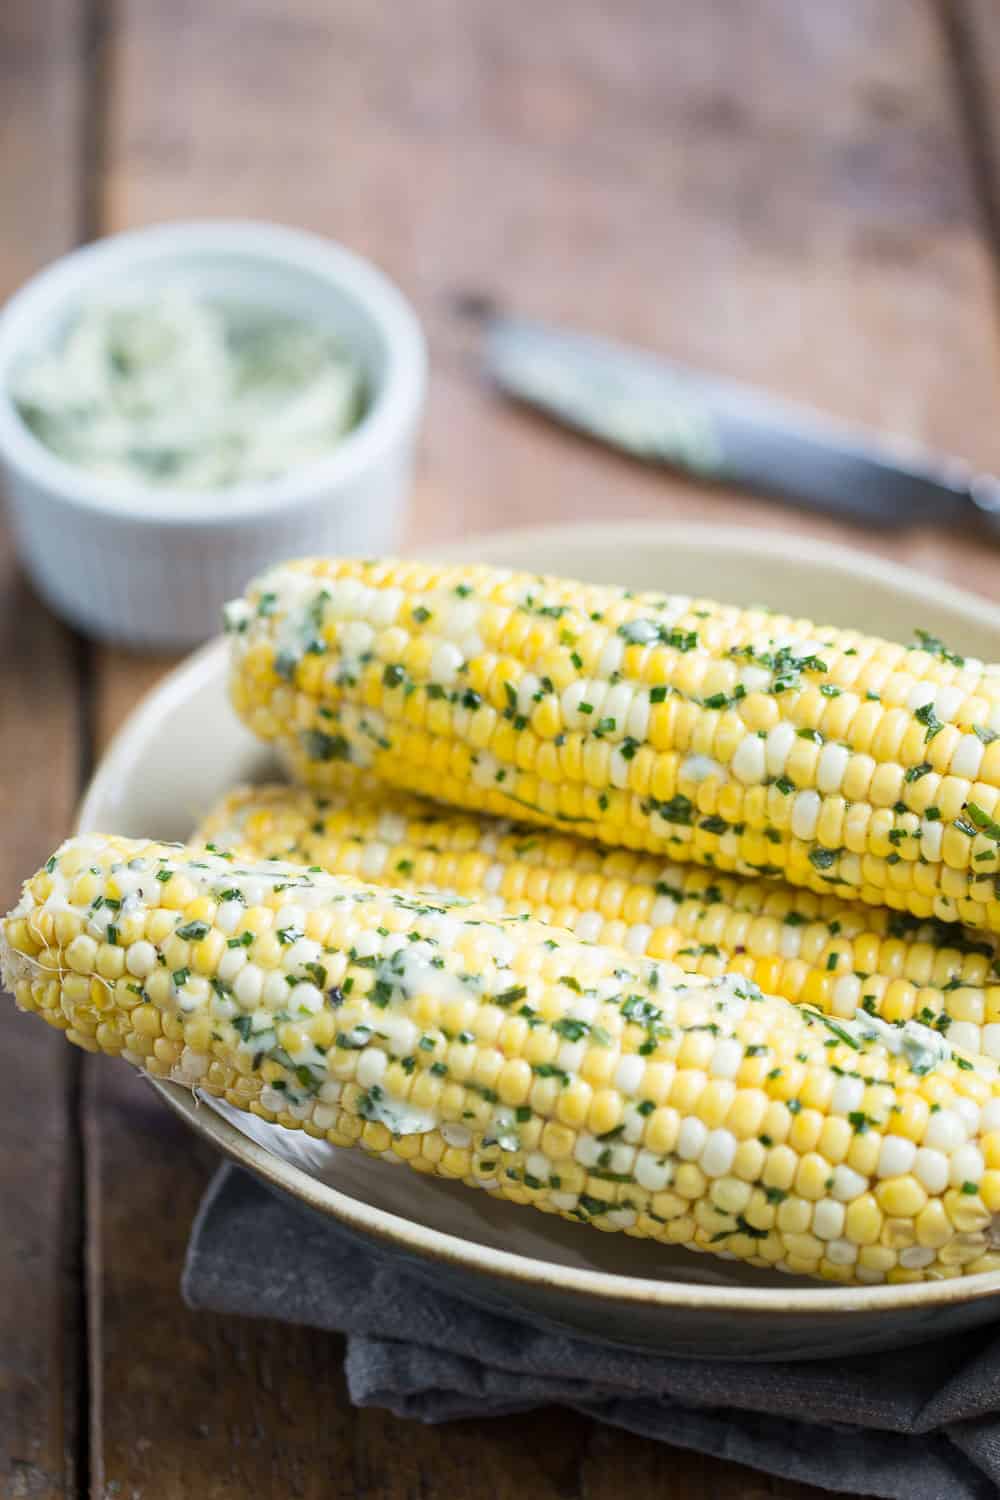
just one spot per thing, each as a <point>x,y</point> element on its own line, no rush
<point>728,433</point>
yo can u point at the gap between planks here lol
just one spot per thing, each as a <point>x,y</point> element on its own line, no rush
<point>96,18</point>
<point>971,30</point>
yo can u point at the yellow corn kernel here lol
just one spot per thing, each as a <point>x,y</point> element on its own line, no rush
<point>146,1020</point>
<point>863,1220</point>
<point>574,1104</point>
<point>901,1197</point>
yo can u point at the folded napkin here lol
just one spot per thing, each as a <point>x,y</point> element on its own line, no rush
<point>921,1424</point>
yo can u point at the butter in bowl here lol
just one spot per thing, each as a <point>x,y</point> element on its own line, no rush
<point>182,404</point>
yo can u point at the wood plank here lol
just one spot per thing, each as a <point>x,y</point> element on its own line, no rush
<point>40,1336</point>
<point>673,183</point>
<point>778,192</point>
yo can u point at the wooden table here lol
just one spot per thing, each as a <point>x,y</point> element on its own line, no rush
<point>802,195</point>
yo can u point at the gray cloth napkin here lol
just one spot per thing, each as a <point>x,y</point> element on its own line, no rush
<point>920,1424</point>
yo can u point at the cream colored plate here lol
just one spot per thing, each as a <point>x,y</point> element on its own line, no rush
<point>182,748</point>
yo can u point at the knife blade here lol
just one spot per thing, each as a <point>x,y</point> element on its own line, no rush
<point>728,433</point>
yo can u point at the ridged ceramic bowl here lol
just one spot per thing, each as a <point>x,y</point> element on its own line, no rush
<point>182,748</point>
<point>150,567</point>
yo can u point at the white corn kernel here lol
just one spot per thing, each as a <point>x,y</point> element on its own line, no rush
<point>930,1168</point>
<point>966,1036</point>
<point>915,1257</point>
<point>805,814</point>
<point>828,1219</point>
<point>830,769</point>
<point>570,1057</point>
<point>945,1131</point>
<point>619,768</point>
<point>622,1160</point>
<point>194,1065</point>
<point>846,998</point>
<point>847,1096</point>
<point>663,912</point>
<point>248,986</point>
<point>847,1184</point>
<point>948,699</point>
<point>611,657</point>
<point>637,938</point>
<point>921,694</point>
<point>588,926</point>
<point>587,1150</point>
<point>691,1138</point>
<point>306,997</point>
<point>727,1056</point>
<point>749,764</point>
<point>629,1073</point>
<point>717,1156</point>
<point>275,990</point>
<point>141,959</point>
<point>652,1172</point>
<point>841,1253</point>
<point>620,1218</point>
<point>896,1156</point>
<point>931,835</point>
<point>230,964</point>
<point>967,1165</point>
<point>228,916</point>
<point>637,721</point>
<point>371,1067</point>
<point>777,746</point>
<point>967,757</point>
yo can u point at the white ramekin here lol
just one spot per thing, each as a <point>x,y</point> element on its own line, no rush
<point>152,567</point>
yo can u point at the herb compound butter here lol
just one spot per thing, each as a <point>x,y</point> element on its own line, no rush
<point>181,393</point>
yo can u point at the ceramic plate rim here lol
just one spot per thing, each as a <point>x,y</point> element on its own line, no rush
<point>412,1237</point>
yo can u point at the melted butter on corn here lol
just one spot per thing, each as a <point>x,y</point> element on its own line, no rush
<point>835,956</point>
<point>513,1056</point>
<point>748,741</point>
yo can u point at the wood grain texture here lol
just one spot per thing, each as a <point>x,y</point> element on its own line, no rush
<point>778,192</point>
<point>40,1336</point>
<point>973,28</point>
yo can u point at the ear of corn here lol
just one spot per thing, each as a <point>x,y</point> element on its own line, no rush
<point>735,738</point>
<point>512,1056</point>
<point>834,955</point>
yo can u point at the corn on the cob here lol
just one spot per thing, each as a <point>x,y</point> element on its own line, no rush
<point>512,1056</point>
<point>816,950</point>
<point>735,738</point>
